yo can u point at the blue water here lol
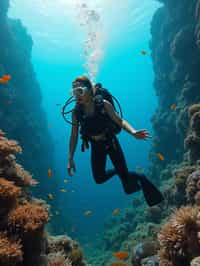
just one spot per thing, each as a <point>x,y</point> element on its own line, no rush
<point>128,74</point>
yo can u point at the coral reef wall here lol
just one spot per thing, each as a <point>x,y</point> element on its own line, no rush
<point>175,49</point>
<point>23,239</point>
<point>21,113</point>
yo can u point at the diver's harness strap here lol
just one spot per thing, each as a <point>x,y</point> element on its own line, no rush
<point>98,99</point>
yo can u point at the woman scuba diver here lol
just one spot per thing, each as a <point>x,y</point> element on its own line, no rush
<point>98,121</point>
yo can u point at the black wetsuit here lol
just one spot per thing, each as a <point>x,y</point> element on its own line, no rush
<point>111,147</point>
<point>97,124</point>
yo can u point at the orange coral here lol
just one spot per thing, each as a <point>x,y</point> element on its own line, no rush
<point>8,190</point>
<point>24,176</point>
<point>10,251</point>
<point>9,146</point>
<point>28,217</point>
<point>179,237</point>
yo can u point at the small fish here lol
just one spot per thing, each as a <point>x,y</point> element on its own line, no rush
<point>115,211</point>
<point>5,79</point>
<point>57,212</point>
<point>122,255</point>
<point>65,181</point>
<point>87,213</point>
<point>63,190</point>
<point>160,156</point>
<point>58,104</point>
<point>143,52</point>
<point>173,107</point>
<point>73,190</point>
<point>50,196</point>
<point>49,172</point>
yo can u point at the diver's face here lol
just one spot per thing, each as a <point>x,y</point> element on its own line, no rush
<point>81,93</point>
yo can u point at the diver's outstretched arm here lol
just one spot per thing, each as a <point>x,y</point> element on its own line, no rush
<point>139,134</point>
<point>72,145</point>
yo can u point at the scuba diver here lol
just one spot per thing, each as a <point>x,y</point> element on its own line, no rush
<point>99,123</point>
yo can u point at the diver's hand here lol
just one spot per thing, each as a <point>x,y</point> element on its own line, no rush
<point>71,168</point>
<point>141,134</point>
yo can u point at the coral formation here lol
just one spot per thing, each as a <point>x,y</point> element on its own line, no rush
<point>58,259</point>
<point>178,238</point>
<point>10,251</point>
<point>23,240</point>
<point>193,186</point>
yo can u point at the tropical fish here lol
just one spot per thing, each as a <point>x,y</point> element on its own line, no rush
<point>58,104</point>
<point>57,212</point>
<point>63,190</point>
<point>65,180</point>
<point>87,213</point>
<point>122,255</point>
<point>115,211</point>
<point>173,107</point>
<point>160,156</point>
<point>50,196</point>
<point>143,52</point>
<point>5,79</point>
<point>49,173</point>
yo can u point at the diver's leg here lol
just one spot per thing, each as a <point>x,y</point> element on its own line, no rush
<point>98,163</point>
<point>129,179</point>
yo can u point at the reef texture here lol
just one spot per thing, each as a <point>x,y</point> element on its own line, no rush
<point>176,60</point>
<point>21,113</point>
<point>168,234</point>
<point>23,239</point>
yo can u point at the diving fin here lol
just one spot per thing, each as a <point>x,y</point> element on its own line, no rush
<point>152,195</point>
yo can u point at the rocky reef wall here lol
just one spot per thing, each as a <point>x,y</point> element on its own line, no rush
<point>21,113</point>
<point>169,233</point>
<point>23,238</point>
<point>176,60</point>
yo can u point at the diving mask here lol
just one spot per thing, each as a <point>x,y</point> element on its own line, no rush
<point>79,91</point>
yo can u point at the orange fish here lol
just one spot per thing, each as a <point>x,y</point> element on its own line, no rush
<point>115,211</point>
<point>143,52</point>
<point>160,156</point>
<point>122,255</point>
<point>173,107</point>
<point>5,78</point>
<point>49,173</point>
